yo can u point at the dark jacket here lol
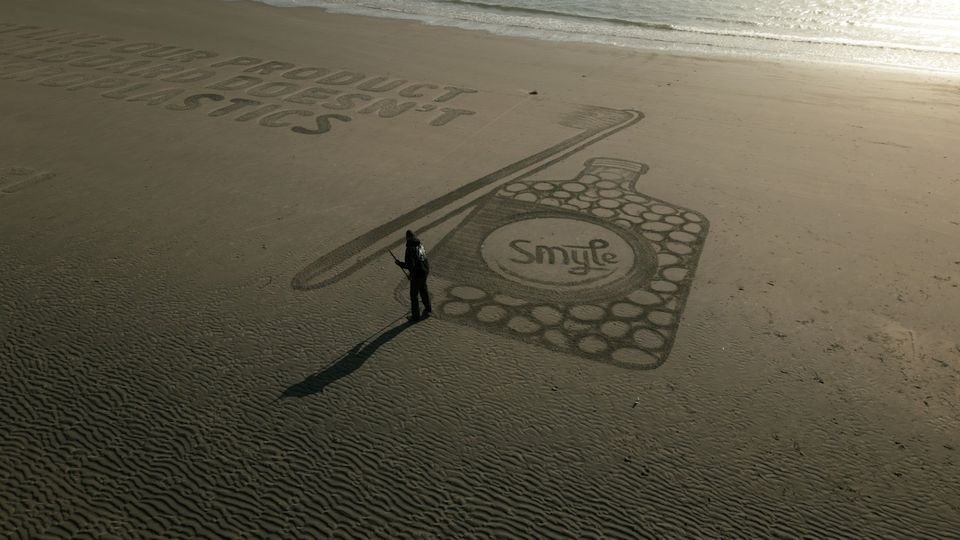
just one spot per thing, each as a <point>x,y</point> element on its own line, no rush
<point>415,259</point>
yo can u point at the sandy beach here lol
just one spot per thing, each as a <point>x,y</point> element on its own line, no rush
<point>674,297</point>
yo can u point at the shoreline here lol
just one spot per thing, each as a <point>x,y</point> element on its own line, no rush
<point>735,55</point>
<point>317,13</point>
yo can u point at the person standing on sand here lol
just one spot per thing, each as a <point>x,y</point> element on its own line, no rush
<point>415,260</point>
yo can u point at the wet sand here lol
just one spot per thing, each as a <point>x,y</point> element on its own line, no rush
<point>674,297</point>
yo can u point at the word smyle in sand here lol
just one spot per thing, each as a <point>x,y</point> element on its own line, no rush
<point>559,252</point>
<point>580,260</point>
<point>308,100</point>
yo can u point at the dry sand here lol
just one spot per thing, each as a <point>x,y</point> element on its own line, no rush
<point>166,332</point>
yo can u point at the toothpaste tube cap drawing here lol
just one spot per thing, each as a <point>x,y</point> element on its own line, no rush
<point>588,265</point>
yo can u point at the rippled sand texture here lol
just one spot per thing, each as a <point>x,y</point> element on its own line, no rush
<point>160,376</point>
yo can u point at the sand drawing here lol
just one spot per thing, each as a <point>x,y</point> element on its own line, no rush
<point>116,68</point>
<point>590,265</point>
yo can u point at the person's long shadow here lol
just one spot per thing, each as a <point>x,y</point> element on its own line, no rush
<point>346,364</point>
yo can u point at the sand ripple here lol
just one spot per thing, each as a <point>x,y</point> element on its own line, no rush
<point>130,411</point>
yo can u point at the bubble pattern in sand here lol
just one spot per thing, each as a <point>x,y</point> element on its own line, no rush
<point>634,328</point>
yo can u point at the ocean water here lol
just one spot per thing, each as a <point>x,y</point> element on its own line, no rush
<point>913,34</point>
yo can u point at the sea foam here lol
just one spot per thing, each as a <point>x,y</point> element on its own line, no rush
<point>894,33</point>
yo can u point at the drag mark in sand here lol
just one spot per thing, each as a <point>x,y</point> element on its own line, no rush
<point>14,179</point>
<point>307,100</point>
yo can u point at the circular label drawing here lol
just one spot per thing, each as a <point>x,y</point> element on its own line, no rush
<point>558,253</point>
